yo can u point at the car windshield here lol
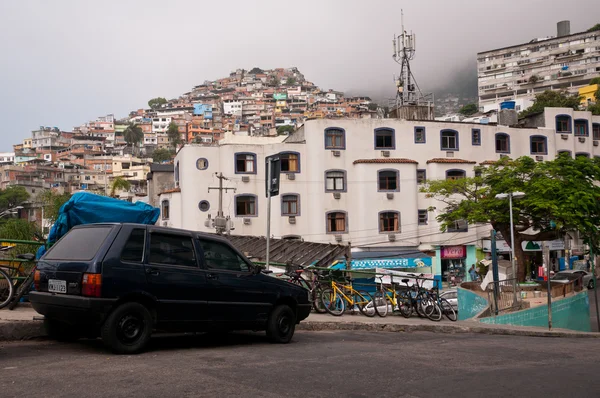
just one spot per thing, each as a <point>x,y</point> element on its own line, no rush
<point>562,275</point>
<point>79,244</point>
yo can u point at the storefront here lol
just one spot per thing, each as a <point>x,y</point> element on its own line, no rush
<point>454,263</point>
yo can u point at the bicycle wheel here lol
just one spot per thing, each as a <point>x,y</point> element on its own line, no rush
<point>332,302</point>
<point>24,288</point>
<point>448,310</point>
<point>361,298</point>
<point>7,290</point>
<point>317,302</point>
<point>380,303</point>
<point>404,305</point>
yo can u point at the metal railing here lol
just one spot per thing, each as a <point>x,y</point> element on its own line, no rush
<point>503,295</point>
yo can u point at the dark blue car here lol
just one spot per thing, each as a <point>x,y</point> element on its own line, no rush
<point>124,281</point>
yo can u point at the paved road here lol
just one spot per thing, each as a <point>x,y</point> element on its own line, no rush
<point>315,364</point>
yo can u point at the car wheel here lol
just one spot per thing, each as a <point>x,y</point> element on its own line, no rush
<point>60,331</point>
<point>591,284</point>
<point>281,324</point>
<point>127,329</point>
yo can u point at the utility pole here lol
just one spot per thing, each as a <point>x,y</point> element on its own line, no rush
<point>546,259</point>
<point>220,223</point>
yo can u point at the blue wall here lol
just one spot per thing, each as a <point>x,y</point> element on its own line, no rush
<point>469,304</point>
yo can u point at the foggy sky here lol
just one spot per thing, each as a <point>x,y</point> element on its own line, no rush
<point>65,62</point>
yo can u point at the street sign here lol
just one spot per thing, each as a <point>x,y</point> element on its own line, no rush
<point>272,179</point>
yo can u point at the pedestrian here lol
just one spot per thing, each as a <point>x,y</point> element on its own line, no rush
<point>473,273</point>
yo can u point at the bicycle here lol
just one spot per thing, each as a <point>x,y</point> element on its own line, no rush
<point>419,300</point>
<point>445,307</point>
<point>385,298</point>
<point>15,282</point>
<point>314,285</point>
<point>334,298</point>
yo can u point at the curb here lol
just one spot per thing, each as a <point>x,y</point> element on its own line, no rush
<point>21,330</point>
<point>438,328</point>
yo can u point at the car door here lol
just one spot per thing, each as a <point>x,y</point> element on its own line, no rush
<point>235,291</point>
<point>175,278</point>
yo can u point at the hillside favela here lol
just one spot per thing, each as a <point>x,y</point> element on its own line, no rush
<point>291,211</point>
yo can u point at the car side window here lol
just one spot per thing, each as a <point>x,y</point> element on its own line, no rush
<point>133,251</point>
<point>221,257</point>
<point>171,250</point>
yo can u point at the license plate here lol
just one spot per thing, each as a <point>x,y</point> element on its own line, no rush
<point>57,286</point>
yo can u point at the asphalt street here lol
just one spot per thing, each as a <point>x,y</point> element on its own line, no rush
<point>315,364</point>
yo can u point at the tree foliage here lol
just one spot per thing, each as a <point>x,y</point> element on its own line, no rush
<point>161,155</point>
<point>560,196</point>
<point>255,70</point>
<point>594,28</point>
<point>468,110</point>
<point>173,133</point>
<point>595,80</point>
<point>18,228</point>
<point>12,196</point>
<point>133,134</point>
<point>52,202</point>
<point>285,129</point>
<point>595,108</point>
<point>552,99</point>
<point>157,102</point>
<point>290,81</point>
<point>119,184</point>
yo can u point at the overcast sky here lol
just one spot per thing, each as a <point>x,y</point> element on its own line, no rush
<point>64,62</point>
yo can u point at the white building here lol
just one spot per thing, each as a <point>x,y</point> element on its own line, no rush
<point>358,181</point>
<point>7,157</point>
<point>232,108</point>
<point>568,61</point>
<point>160,124</point>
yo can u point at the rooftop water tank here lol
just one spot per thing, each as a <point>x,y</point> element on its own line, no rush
<point>507,105</point>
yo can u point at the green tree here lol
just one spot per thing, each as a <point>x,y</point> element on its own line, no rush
<point>52,202</point>
<point>290,81</point>
<point>594,28</point>
<point>18,228</point>
<point>12,196</point>
<point>372,106</point>
<point>119,184</point>
<point>285,129</point>
<point>133,135</point>
<point>161,155</point>
<point>552,99</point>
<point>468,110</point>
<point>595,108</point>
<point>560,196</point>
<point>173,133</point>
<point>595,80</point>
<point>157,102</point>
<point>255,70</point>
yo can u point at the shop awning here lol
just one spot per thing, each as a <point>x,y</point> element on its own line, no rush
<point>410,257</point>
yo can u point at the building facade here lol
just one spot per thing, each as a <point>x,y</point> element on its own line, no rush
<point>568,61</point>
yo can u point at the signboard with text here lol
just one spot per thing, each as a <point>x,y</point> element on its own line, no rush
<point>454,252</point>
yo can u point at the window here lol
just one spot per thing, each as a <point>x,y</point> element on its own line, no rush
<point>172,250</point>
<point>388,180</point>
<point>384,138</point>
<point>222,257</point>
<point>581,128</point>
<point>421,176</point>
<point>336,222</point>
<point>458,226</point>
<point>133,250</point>
<point>420,137</point>
<point>204,205</point>
<point>79,244</point>
<point>423,217</point>
<point>595,131</point>
<point>335,181</point>
<point>449,140</point>
<point>389,221</point>
<point>245,163</point>
<point>538,145</point>
<point>245,205</point>
<point>335,138</point>
<point>290,162</point>
<point>563,124</point>
<point>202,164</point>
<point>502,143</point>
<point>290,205</point>
<point>165,209</point>
<point>582,155</point>
<point>476,136</point>
<point>455,174</point>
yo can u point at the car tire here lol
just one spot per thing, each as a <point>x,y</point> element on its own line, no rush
<point>127,329</point>
<point>281,324</point>
<point>60,331</point>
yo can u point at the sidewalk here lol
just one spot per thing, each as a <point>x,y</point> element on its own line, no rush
<point>24,323</point>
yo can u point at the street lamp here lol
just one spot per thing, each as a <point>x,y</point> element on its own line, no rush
<point>510,197</point>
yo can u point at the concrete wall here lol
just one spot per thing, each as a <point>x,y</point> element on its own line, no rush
<point>568,313</point>
<point>469,304</point>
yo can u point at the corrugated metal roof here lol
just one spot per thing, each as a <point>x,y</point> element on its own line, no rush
<point>284,250</point>
<point>450,160</point>
<point>385,160</point>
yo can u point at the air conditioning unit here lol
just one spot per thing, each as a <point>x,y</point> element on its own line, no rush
<point>539,158</point>
<point>596,143</point>
<point>291,176</point>
<point>336,153</point>
<point>564,136</point>
<point>385,154</point>
<point>392,237</point>
<point>338,238</point>
<point>247,221</point>
<point>581,139</point>
<point>337,195</point>
<point>390,195</point>
<point>245,178</point>
<point>449,154</point>
<point>292,219</point>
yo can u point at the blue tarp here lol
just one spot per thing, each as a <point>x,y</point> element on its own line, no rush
<point>87,208</point>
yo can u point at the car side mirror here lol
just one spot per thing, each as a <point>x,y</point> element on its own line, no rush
<point>257,269</point>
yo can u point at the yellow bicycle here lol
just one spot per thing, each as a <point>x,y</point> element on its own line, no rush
<point>334,299</point>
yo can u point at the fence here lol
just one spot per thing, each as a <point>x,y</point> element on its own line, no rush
<point>503,295</point>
